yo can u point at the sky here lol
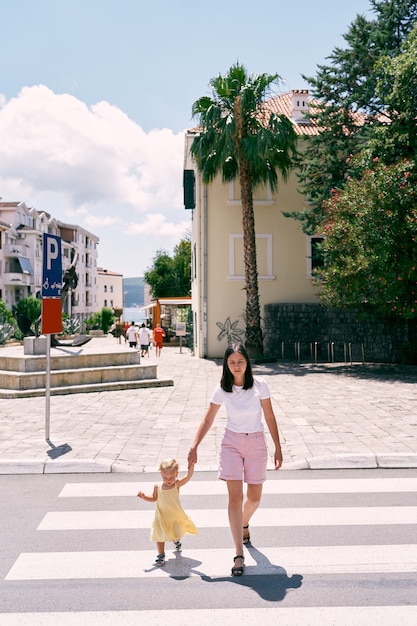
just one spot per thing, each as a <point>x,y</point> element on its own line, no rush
<point>96,95</point>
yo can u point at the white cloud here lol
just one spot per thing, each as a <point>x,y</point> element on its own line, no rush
<point>156,223</point>
<point>98,156</point>
<point>96,167</point>
<point>94,220</point>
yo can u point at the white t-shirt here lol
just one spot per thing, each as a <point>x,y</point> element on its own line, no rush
<point>131,333</point>
<point>144,334</point>
<point>243,406</point>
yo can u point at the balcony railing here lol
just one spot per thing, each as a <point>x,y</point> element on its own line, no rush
<point>14,250</point>
<point>15,278</point>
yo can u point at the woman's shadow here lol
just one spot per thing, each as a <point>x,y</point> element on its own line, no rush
<point>271,586</point>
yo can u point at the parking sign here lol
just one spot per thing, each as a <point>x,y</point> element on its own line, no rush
<point>52,267</point>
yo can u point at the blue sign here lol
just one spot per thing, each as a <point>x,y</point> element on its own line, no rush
<point>52,267</point>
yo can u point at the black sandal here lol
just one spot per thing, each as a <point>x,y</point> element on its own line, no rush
<point>238,571</point>
<point>246,536</point>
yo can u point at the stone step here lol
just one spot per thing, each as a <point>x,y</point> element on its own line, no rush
<point>99,365</point>
<point>69,359</point>
<point>87,388</point>
<point>80,376</point>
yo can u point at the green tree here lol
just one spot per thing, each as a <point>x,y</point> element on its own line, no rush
<point>350,96</point>
<point>107,319</point>
<point>240,140</point>
<point>27,313</point>
<point>7,323</point>
<point>397,88</point>
<point>171,275</point>
<point>182,267</point>
<point>370,245</point>
<point>101,320</point>
<point>370,222</point>
<point>5,313</point>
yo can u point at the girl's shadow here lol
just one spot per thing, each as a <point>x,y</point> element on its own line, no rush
<point>179,567</point>
<point>271,586</point>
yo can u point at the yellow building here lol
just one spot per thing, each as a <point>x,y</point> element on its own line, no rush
<point>283,250</point>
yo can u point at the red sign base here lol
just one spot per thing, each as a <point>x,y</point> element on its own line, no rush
<point>51,316</point>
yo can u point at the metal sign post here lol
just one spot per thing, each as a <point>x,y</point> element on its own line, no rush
<point>51,309</point>
<point>181,332</point>
<point>48,388</point>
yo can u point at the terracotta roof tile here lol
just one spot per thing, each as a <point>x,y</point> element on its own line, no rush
<point>293,105</point>
<point>283,105</point>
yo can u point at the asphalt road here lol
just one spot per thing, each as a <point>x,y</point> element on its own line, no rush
<point>328,547</point>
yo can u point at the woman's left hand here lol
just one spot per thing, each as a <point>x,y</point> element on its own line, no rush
<point>278,458</point>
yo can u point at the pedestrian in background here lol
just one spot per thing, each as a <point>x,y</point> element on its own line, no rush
<point>144,338</point>
<point>243,452</point>
<point>158,337</point>
<point>170,522</point>
<point>132,335</point>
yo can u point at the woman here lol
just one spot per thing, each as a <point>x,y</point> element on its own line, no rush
<point>243,452</point>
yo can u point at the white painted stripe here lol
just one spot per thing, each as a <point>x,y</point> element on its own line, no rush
<point>215,562</point>
<point>307,616</point>
<point>275,486</point>
<point>208,518</point>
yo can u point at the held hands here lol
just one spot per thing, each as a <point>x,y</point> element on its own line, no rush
<point>192,457</point>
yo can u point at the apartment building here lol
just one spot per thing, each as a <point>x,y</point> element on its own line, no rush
<point>21,257</point>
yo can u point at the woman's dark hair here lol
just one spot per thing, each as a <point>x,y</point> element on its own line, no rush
<point>227,378</point>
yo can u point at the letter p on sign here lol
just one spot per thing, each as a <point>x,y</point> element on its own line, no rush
<point>52,251</point>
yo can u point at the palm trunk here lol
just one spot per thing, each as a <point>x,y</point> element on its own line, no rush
<point>254,339</point>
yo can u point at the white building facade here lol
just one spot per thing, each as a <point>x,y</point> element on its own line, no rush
<point>21,257</point>
<point>110,289</point>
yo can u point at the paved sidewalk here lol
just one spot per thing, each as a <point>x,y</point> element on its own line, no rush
<point>330,416</point>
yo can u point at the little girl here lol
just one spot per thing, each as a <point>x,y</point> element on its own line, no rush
<point>170,522</point>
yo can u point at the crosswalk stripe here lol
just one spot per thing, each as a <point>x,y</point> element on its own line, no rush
<point>207,518</point>
<point>275,486</point>
<point>214,562</point>
<point>307,616</point>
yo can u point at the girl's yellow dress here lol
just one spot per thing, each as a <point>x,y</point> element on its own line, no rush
<point>170,522</point>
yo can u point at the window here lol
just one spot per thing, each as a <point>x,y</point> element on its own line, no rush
<point>111,288</point>
<point>263,257</point>
<point>105,288</point>
<point>314,254</point>
<point>262,195</point>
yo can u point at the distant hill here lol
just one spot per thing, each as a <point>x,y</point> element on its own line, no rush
<point>134,292</point>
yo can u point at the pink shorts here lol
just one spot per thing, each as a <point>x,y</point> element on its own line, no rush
<point>243,456</point>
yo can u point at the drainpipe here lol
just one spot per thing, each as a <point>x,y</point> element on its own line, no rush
<point>205,348</point>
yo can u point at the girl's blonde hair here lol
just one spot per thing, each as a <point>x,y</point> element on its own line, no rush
<point>168,464</point>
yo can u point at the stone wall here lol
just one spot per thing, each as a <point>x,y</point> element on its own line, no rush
<point>313,332</point>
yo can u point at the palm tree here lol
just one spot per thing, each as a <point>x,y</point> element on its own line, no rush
<point>239,137</point>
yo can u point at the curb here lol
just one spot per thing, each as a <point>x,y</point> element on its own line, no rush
<point>90,466</point>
